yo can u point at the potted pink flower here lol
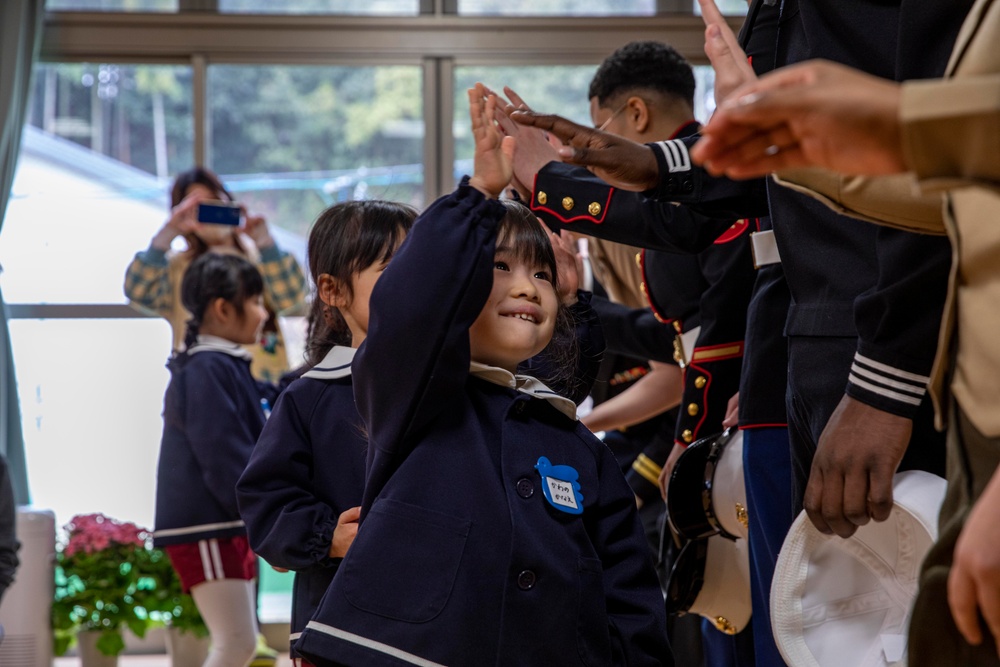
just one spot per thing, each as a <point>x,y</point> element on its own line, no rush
<point>98,584</point>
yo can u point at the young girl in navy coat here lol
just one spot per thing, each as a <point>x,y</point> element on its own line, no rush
<point>212,414</point>
<point>497,530</point>
<point>300,493</point>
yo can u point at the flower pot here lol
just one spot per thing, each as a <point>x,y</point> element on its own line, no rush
<point>90,656</point>
<point>186,648</point>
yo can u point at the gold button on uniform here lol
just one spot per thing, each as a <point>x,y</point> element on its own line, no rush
<point>542,198</point>
<point>594,209</point>
<point>700,382</point>
<point>687,436</point>
<point>567,203</point>
<point>692,409</point>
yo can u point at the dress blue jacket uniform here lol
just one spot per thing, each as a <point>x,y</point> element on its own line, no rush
<point>698,275</point>
<point>213,412</point>
<point>307,468</point>
<point>497,530</point>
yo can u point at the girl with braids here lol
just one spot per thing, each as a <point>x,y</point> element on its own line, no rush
<point>300,491</point>
<point>153,279</point>
<point>213,413</point>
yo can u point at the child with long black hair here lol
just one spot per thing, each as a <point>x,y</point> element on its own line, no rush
<point>299,494</point>
<point>213,413</point>
<point>496,529</point>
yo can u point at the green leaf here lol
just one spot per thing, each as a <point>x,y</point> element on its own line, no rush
<point>110,642</point>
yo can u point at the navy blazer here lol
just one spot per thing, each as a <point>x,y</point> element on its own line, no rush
<point>307,468</point>
<point>466,554</point>
<point>213,412</point>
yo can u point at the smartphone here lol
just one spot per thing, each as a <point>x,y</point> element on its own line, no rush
<point>219,213</point>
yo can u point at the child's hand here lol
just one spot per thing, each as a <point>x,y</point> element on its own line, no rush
<point>344,533</point>
<point>494,157</point>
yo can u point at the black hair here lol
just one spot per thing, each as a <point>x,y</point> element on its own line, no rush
<point>346,239</point>
<point>197,176</point>
<point>522,235</point>
<point>216,276</point>
<point>643,65</point>
<point>179,190</point>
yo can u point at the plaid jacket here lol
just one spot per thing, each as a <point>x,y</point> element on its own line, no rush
<point>153,283</point>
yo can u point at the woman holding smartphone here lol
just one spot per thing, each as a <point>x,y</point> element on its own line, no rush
<point>153,279</point>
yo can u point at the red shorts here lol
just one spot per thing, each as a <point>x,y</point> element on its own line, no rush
<point>208,560</point>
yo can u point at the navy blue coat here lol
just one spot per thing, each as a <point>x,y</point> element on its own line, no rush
<point>213,412</point>
<point>461,559</point>
<point>307,468</point>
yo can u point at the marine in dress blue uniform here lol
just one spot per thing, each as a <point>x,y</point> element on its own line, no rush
<point>468,553</point>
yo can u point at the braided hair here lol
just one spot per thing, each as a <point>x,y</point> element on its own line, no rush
<point>217,276</point>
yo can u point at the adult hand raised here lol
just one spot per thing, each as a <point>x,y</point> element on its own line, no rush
<point>620,162</point>
<point>811,114</point>
<point>732,69</point>
<point>534,150</point>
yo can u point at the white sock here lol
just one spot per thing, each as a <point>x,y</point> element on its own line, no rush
<point>227,605</point>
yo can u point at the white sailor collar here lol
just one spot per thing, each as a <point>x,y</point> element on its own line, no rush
<point>206,343</point>
<point>336,364</point>
<point>525,384</point>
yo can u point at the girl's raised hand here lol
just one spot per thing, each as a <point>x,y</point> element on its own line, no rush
<point>494,156</point>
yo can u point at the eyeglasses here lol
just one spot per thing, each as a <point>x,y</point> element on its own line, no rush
<point>617,111</point>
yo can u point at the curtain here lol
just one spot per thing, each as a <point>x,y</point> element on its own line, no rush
<point>20,34</point>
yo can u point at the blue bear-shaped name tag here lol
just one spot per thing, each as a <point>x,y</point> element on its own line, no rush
<point>560,486</point>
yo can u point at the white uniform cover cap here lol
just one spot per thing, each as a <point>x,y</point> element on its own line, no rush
<point>837,602</point>
<point>725,596</point>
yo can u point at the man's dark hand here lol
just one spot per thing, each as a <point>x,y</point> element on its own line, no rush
<point>851,477</point>
<point>620,162</point>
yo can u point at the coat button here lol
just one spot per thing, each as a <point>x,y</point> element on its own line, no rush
<point>700,382</point>
<point>542,198</point>
<point>594,209</point>
<point>693,409</point>
<point>687,436</point>
<point>568,203</point>
<point>526,580</point>
<point>687,185</point>
<point>525,488</point>
<point>671,185</point>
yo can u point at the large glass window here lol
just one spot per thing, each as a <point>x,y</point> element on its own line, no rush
<point>557,7</point>
<point>93,172</point>
<point>366,7</point>
<point>113,5</point>
<point>295,139</point>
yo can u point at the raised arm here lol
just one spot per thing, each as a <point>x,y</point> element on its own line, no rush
<point>416,357</point>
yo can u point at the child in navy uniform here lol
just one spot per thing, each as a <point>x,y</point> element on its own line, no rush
<point>300,493</point>
<point>496,529</point>
<point>213,413</point>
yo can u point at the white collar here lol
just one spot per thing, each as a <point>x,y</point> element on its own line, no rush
<point>525,384</point>
<point>336,364</point>
<point>206,343</point>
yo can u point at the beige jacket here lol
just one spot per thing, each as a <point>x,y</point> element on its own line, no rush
<point>951,136</point>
